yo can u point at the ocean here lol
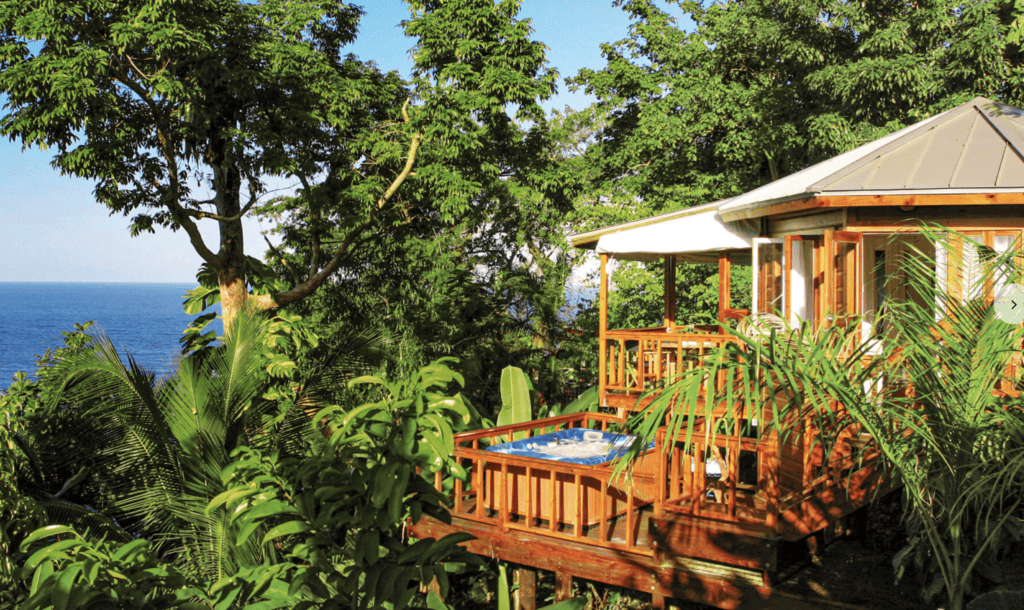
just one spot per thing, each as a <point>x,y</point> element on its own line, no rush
<point>144,319</point>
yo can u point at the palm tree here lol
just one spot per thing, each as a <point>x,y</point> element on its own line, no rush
<point>153,452</point>
<point>939,400</point>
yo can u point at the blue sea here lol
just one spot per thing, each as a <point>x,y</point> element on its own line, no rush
<point>144,319</point>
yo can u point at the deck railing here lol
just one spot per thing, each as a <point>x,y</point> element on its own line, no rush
<point>685,485</point>
<point>582,503</point>
<point>637,360</point>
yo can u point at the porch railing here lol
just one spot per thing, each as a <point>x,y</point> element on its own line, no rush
<point>637,360</point>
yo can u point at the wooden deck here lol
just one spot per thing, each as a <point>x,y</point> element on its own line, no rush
<point>656,530</point>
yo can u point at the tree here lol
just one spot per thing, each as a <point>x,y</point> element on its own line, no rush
<point>760,89</point>
<point>158,101</point>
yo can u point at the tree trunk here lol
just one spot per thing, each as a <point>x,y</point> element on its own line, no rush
<point>232,298</point>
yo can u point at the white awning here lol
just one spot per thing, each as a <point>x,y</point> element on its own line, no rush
<point>694,238</point>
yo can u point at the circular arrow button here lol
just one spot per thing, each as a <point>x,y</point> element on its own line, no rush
<point>1009,304</point>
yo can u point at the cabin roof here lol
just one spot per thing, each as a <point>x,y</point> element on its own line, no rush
<point>977,147</point>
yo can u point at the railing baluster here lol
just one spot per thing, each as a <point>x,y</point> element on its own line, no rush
<point>605,499</point>
<point>503,495</point>
<point>529,496</point>
<point>478,475</point>
<point>629,516</point>
<point>552,515</point>
<point>640,352</point>
<point>674,476</point>
<point>657,360</point>
<point>457,505</point>
<point>659,475</point>
<point>578,526</point>
<point>698,478</point>
<point>620,371</point>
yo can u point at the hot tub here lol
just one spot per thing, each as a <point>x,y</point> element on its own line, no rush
<point>577,446</point>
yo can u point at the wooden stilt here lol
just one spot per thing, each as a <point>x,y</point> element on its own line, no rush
<point>658,600</point>
<point>815,543</point>
<point>526,595</point>
<point>563,586</point>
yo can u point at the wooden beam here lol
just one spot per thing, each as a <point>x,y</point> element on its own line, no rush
<point>971,199</point>
<point>724,286</point>
<point>602,332</point>
<point>888,219</point>
<point>848,201</point>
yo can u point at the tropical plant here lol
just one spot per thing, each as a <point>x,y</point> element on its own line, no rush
<point>328,525</point>
<point>936,397</point>
<point>147,456</point>
<point>76,572</point>
<point>516,405</point>
<point>338,516</point>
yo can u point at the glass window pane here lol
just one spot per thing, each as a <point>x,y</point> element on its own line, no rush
<point>770,278</point>
<point>1002,243</point>
<point>802,282</point>
<point>846,278</point>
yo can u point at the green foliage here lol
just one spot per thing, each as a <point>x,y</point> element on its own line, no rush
<point>505,595</point>
<point>261,527</point>
<point>75,572</point>
<point>337,516</point>
<point>516,405</point>
<point>160,100</point>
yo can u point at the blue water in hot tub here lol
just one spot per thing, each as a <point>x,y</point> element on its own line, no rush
<point>615,445</point>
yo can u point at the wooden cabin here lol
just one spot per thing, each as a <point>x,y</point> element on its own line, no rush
<point>824,244</point>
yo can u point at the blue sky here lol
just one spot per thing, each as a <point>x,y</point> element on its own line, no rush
<point>55,231</point>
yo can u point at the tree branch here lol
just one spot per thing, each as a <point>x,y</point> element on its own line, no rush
<point>314,263</point>
<point>315,280</point>
<point>284,261</point>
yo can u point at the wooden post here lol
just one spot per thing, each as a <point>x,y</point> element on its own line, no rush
<point>658,600</point>
<point>724,286</point>
<point>563,586</point>
<point>526,595</point>
<point>670,291</point>
<point>602,333</point>
<point>787,274</point>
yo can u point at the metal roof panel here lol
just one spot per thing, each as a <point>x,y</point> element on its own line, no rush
<point>982,156</point>
<point>941,152</point>
<point>1011,168</point>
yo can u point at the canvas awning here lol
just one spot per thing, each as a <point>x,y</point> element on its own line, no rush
<point>696,237</point>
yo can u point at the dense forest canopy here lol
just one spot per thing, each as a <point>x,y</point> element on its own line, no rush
<point>430,221</point>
